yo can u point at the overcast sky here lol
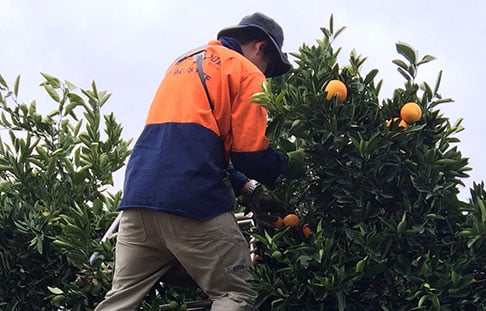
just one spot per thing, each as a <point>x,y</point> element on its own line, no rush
<point>125,47</point>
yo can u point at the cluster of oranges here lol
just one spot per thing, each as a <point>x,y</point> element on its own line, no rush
<point>409,113</point>
<point>292,220</point>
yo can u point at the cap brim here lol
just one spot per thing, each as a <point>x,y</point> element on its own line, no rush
<point>281,65</point>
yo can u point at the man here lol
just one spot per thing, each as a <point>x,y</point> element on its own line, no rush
<point>177,205</point>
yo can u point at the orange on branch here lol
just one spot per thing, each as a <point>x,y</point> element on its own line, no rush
<point>291,220</point>
<point>278,223</point>
<point>402,123</point>
<point>306,231</point>
<point>411,112</point>
<point>336,88</point>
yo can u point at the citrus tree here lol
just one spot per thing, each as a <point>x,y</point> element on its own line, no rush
<point>385,229</point>
<point>374,221</point>
<point>55,204</point>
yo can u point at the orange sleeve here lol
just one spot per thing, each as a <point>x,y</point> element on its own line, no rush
<point>249,120</point>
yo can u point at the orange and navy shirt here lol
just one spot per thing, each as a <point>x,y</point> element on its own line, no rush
<point>178,163</point>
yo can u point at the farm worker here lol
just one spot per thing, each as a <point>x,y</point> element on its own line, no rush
<point>177,203</point>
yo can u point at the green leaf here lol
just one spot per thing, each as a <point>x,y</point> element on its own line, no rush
<point>482,208</point>
<point>3,83</point>
<point>436,302</point>
<point>341,301</point>
<point>104,98</point>
<point>405,74</point>
<point>407,51</point>
<point>53,81</point>
<point>400,63</point>
<point>338,32</point>
<point>5,121</point>
<point>69,108</point>
<point>39,244</point>
<point>331,23</point>
<point>361,264</point>
<point>465,233</point>
<point>55,290</point>
<point>276,304</point>
<point>304,261</point>
<point>437,83</point>
<point>75,98</point>
<point>426,59</point>
<point>441,101</point>
<point>16,86</point>
<point>52,93</point>
<point>401,225</point>
<point>421,301</point>
<point>456,278</point>
<point>370,76</point>
<point>70,86</point>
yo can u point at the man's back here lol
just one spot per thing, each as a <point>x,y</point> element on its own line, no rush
<point>178,163</point>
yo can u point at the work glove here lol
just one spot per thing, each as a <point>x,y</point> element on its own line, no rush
<point>296,164</point>
<point>263,205</point>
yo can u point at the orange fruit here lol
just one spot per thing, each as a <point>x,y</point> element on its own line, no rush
<point>306,231</point>
<point>291,220</point>
<point>402,123</point>
<point>278,222</point>
<point>336,88</point>
<point>389,122</point>
<point>411,112</point>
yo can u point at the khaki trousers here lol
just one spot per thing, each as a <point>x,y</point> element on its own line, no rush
<point>213,252</point>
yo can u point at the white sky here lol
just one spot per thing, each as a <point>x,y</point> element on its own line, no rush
<point>125,47</point>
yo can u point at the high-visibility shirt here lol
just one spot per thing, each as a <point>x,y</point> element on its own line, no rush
<point>178,162</point>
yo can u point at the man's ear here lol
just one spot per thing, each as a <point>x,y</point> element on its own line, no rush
<point>260,46</point>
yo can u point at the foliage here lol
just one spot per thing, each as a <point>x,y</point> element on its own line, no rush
<point>55,173</point>
<point>390,232</point>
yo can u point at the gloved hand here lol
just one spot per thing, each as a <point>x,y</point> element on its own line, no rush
<point>265,203</point>
<point>296,165</point>
<point>259,201</point>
